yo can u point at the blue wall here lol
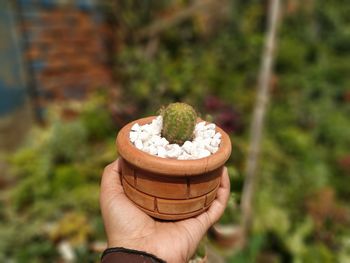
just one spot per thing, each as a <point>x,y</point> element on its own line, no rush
<point>12,82</point>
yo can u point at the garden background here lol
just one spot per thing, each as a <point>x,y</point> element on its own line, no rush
<point>72,73</point>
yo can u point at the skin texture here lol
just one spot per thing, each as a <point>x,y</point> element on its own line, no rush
<point>129,227</point>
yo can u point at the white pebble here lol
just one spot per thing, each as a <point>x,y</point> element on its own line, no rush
<point>153,150</point>
<point>200,126</point>
<point>194,149</point>
<point>207,141</point>
<point>215,142</point>
<point>211,149</point>
<point>161,152</point>
<point>146,148</point>
<point>217,135</point>
<point>148,139</point>
<point>159,120</point>
<point>184,156</point>
<point>156,127</point>
<point>199,134</point>
<point>203,153</point>
<point>133,136</point>
<point>210,126</point>
<point>147,143</point>
<point>200,144</point>
<point>139,144</point>
<point>174,152</point>
<point>156,140</point>
<point>187,146</point>
<point>209,134</point>
<point>147,128</point>
<point>135,127</point>
<point>144,136</point>
<point>171,147</point>
<point>164,142</point>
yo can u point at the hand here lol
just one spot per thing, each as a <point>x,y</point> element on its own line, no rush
<point>129,227</point>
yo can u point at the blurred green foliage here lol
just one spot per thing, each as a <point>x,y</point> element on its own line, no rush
<point>57,176</point>
<point>307,127</point>
<point>301,207</point>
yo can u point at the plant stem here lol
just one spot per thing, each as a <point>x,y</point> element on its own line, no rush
<point>257,124</point>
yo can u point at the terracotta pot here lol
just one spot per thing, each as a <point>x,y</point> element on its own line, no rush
<point>170,189</point>
<point>227,236</point>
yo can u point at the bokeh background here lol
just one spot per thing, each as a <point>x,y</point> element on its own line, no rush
<point>72,73</point>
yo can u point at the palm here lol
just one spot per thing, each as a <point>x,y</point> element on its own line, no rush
<point>128,226</point>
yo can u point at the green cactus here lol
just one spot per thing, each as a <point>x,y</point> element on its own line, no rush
<point>179,120</point>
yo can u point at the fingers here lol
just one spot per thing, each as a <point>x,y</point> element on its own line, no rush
<point>218,206</point>
<point>225,180</point>
<point>114,204</point>
<point>110,182</point>
<point>199,225</point>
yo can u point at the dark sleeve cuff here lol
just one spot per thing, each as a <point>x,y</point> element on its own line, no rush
<point>120,254</point>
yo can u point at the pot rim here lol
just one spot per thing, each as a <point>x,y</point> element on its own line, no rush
<point>171,167</point>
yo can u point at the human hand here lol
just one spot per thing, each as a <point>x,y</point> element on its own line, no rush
<point>129,227</point>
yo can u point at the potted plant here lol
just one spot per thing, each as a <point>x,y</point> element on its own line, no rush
<point>171,164</point>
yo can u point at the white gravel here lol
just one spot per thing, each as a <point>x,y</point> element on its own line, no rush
<point>148,139</point>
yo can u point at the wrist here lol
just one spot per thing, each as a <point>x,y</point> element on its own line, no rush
<point>132,244</point>
<point>115,253</point>
<point>129,244</point>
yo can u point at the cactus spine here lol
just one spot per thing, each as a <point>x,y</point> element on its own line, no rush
<point>179,120</point>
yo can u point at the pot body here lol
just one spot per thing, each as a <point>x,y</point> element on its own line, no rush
<point>170,198</point>
<point>170,189</point>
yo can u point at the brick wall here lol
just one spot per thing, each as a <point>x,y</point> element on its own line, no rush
<point>64,47</point>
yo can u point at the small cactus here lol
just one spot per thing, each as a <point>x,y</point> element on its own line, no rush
<point>179,120</point>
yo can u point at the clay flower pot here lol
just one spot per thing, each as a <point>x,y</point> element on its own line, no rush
<point>170,189</point>
<point>227,236</point>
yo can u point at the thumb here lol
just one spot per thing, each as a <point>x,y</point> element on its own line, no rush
<point>218,206</point>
